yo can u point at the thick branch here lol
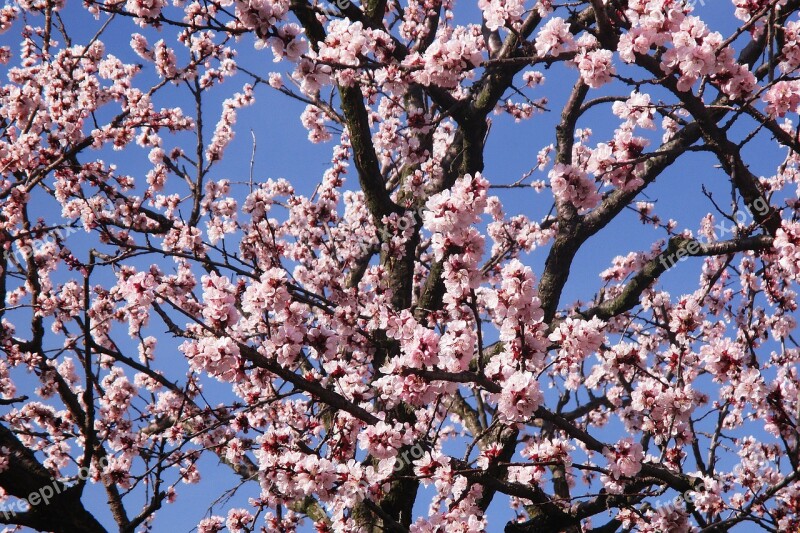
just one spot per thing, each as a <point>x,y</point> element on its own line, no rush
<point>677,249</point>
<point>26,478</point>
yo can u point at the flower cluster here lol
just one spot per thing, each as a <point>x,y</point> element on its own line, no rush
<point>573,186</point>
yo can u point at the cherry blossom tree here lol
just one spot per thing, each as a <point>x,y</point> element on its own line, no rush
<point>397,351</point>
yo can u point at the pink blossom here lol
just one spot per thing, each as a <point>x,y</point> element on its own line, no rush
<point>223,133</point>
<point>211,525</point>
<point>448,58</point>
<point>782,97</point>
<point>288,44</point>
<point>573,186</point>
<point>499,14</point>
<point>218,357</point>
<point>383,440</point>
<point>790,52</point>
<point>520,397</point>
<point>146,8</point>
<point>595,67</point>
<point>219,300</point>
<point>554,38</point>
<point>625,459</point>
<point>636,109</point>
